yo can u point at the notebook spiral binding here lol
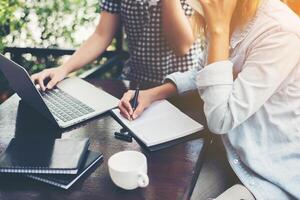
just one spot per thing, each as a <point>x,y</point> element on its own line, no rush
<point>37,170</point>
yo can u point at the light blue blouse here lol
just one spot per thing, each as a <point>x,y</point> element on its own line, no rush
<point>258,113</point>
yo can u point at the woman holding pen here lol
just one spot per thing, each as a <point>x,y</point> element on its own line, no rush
<point>154,50</point>
<point>250,85</point>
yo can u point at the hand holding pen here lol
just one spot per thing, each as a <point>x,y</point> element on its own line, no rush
<point>134,102</point>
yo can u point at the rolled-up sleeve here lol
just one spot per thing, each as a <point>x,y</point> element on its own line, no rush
<point>184,81</point>
<point>219,73</point>
<point>228,102</point>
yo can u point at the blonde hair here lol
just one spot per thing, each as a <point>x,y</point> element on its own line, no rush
<point>245,10</point>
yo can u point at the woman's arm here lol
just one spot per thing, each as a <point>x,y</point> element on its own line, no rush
<point>145,99</point>
<point>177,27</point>
<point>178,82</point>
<point>218,16</point>
<point>94,46</point>
<point>229,103</point>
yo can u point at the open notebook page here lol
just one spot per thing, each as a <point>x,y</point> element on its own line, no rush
<point>161,122</point>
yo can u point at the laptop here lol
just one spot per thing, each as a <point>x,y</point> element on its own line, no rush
<point>72,101</point>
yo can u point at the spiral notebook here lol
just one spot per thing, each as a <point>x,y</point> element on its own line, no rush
<point>65,181</point>
<point>160,123</point>
<point>59,156</point>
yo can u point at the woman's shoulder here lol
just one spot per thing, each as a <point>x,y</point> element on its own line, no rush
<point>279,17</point>
<point>273,21</point>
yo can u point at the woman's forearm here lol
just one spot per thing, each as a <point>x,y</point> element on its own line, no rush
<point>177,27</point>
<point>87,52</point>
<point>95,45</point>
<point>218,17</point>
<point>164,91</point>
<point>218,48</point>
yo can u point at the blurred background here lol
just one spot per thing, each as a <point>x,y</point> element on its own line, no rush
<point>294,4</point>
<point>43,33</point>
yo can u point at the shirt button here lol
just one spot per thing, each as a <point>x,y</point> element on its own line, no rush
<point>235,161</point>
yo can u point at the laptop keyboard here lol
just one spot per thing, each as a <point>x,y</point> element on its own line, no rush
<point>63,106</point>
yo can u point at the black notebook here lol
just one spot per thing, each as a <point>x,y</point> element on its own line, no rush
<point>59,156</point>
<point>66,181</point>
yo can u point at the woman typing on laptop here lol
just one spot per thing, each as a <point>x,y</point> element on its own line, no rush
<point>250,85</point>
<point>154,50</point>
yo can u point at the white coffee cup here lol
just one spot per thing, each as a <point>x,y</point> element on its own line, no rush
<point>128,169</point>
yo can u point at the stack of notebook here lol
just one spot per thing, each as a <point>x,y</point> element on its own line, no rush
<point>58,162</point>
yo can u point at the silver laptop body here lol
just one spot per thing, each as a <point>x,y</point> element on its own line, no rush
<point>72,101</point>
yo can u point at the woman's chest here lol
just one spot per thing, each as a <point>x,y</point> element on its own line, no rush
<point>238,58</point>
<point>135,11</point>
<point>137,15</point>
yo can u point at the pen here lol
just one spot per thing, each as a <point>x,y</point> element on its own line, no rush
<point>134,101</point>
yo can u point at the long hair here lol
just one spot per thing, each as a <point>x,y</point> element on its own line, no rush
<point>245,10</point>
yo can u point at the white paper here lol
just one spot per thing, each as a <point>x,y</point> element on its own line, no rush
<point>161,122</point>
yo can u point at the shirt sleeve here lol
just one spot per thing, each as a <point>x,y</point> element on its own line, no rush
<point>186,81</point>
<point>112,6</point>
<point>188,10</point>
<point>228,102</point>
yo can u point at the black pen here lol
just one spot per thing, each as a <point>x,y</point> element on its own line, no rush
<point>134,101</point>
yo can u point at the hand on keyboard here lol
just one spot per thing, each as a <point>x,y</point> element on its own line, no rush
<point>54,75</point>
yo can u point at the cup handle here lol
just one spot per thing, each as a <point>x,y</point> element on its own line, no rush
<point>143,180</point>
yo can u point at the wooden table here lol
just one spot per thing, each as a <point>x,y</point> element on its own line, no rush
<point>172,171</point>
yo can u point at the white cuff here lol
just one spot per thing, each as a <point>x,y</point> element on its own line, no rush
<point>183,81</point>
<point>218,73</point>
